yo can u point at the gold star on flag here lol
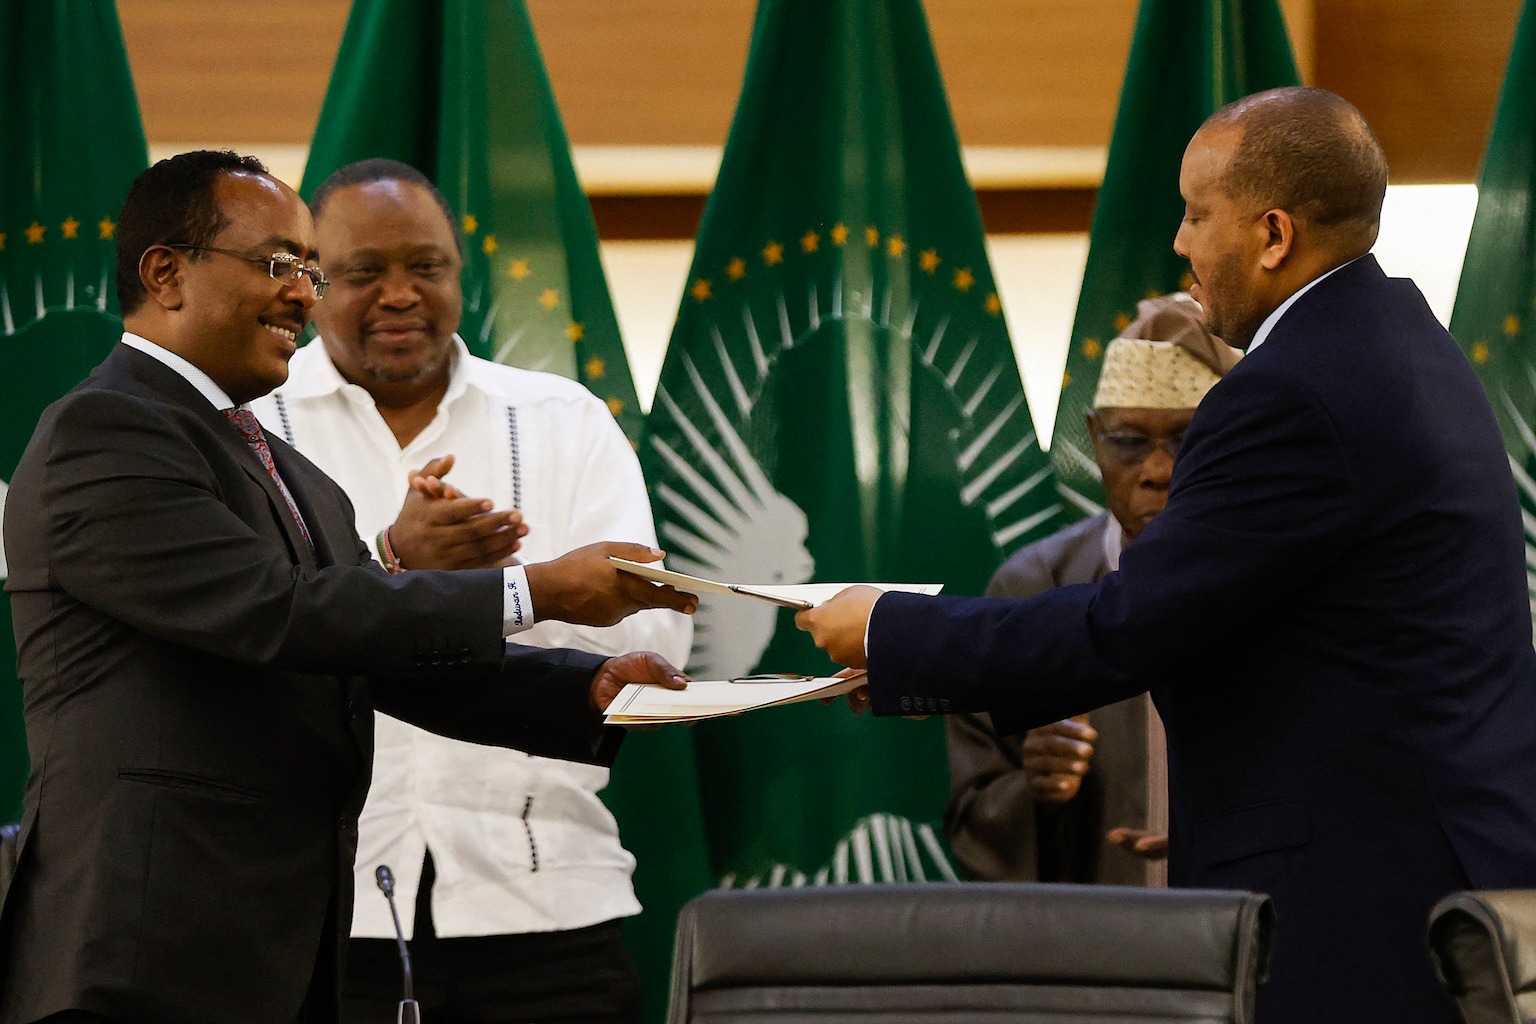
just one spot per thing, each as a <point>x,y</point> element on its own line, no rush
<point>929,260</point>
<point>810,241</point>
<point>549,298</point>
<point>1511,325</point>
<point>616,407</point>
<point>2,239</point>
<point>35,234</point>
<point>994,304</point>
<point>470,224</point>
<point>1066,380</point>
<point>1479,353</point>
<point>574,331</point>
<point>700,290</point>
<point>839,234</point>
<point>518,270</point>
<point>489,245</point>
<point>895,247</point>
<point>70,227</point>
<point>105,228</point>
<point>1122,322</point>
<point>1091,348</point>
<point>872,236</point>
<point>964,279</point>
<point>773,253</point>
<point>736,269</point>
<point>593,368</point>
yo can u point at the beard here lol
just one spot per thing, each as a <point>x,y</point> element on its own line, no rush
<point>382,373</point>
<point>1231,312</point>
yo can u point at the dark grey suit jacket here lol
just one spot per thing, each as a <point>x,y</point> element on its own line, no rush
<point>199,690</point>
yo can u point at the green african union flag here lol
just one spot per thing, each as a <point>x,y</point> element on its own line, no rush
<point>457,89</point>
<point>1188,58</point>
<point>839,402</point>
<point>1496,301</point>
<point>70,144</point>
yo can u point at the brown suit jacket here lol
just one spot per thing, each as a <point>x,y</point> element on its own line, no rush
<point>994,824</point>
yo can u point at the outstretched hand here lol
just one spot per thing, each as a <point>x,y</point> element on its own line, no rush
<point>639,667</point>
<point>440,528</point>
<point>583,588</point>
<point>838,625</point>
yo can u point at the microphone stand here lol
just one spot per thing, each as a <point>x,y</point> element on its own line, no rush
<point>410,1010</point>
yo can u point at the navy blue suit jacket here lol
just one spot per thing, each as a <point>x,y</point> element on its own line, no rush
<point>1332,615</point>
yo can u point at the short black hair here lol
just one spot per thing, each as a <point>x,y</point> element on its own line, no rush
<point>380,168</point>
<point>172,203</point>
<point>1311,153</point>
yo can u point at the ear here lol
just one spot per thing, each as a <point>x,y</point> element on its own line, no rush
<point>160,273</point>
<point>1279,234</point>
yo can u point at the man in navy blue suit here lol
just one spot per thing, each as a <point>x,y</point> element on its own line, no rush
<point>1331,613</point>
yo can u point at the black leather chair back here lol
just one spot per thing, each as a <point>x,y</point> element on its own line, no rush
<point>969,953</point>
<point>1484,945</point>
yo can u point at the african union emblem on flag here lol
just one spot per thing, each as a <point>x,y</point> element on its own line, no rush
<point>839,402</point>
<point>72,143</point>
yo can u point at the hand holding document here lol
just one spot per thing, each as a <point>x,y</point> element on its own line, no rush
<point>640,704</point>
<point>797,596</point>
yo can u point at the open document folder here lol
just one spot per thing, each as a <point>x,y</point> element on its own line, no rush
<point>799,596</point>
<point>642,704</point>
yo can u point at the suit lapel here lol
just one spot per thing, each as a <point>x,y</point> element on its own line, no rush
<point>175,388</point>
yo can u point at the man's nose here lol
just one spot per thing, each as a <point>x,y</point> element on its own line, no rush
<point>398,291</point>
<point>301,292</point>
<point>1157,468</point>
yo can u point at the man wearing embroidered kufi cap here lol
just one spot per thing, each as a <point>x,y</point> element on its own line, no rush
<point>1031,807</point>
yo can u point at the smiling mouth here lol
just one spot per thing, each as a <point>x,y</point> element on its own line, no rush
<point>281,332</point>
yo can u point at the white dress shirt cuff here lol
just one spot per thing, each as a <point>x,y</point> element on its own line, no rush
<point>516,600</point>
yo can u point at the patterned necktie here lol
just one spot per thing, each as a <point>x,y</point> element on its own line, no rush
<point>245,422</point>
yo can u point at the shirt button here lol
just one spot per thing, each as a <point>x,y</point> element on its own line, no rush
<point>906,703</point>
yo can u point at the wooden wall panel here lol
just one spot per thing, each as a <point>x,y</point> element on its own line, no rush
<point>667,72</point>
<point>1425,73</point>
<point>231,71</point>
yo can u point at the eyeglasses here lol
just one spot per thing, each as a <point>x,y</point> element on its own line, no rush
<point>281,266</point>
<point>1134,449</point>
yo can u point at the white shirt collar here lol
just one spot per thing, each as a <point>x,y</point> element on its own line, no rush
<point>1274,318</point>
<point>1114,543</point>
<point>185,369</point>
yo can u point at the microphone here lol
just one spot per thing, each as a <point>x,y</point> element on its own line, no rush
<point>410,1010</point>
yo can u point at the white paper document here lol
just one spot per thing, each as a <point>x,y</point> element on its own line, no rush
<point>798,596</point>
<point>642,704</point>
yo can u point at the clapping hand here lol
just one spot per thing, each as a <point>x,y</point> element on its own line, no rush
<point>440,528</point>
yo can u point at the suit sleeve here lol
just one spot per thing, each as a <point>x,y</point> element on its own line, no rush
<point>537,701</point>
<point>135,525</point>
<point>1262,498</point>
